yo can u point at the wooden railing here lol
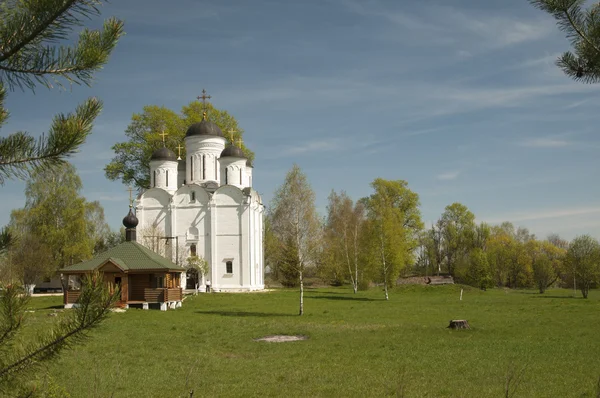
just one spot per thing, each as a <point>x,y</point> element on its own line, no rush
<point>173,294</point>
<point>72,296</point>
<point>154,295</point>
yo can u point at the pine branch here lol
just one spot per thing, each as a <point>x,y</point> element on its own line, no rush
<point>95,302</point>
<point>21,154</point>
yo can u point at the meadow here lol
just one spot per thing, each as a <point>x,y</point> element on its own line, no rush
<point>358,345</point>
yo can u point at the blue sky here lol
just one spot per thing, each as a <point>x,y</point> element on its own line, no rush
<point>459,98</point>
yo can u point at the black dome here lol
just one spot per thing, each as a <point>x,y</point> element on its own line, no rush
<point>249,163</point>
<point>204,128</point>
<point>130,220</point>
<point>163,153</point>
<point>233,151</point>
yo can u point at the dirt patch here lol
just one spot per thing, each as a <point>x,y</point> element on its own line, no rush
<point>282,338</point>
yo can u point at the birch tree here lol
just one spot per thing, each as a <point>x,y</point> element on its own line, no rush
<point>394,227</point>
<point>295,224</point>
<point>343,233</point>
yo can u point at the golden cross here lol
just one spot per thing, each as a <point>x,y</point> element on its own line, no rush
<point>203,97</point>
<point>163,134</point>
<point>130,196</point>
<point>240,142</point>
<point>231,132</point>
<point>179,148</point>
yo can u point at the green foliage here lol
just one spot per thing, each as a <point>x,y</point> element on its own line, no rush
<point>20,357</point>
<point>458,233</point>
<point>477,272</point>
<point>296,228</point>
<point>393,228</point>
<point>29,31</point>
<point>57,227</point>
<point>582,28</point>
<point>583,262</point>
<point>131,163</point>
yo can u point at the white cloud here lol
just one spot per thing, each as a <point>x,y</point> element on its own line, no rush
<point>545,143</point>
<point>449,175</point>
<point>543,214</point>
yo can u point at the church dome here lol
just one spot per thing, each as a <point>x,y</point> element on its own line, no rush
<point>233,151</point>
<point>130,221</point>
<point>204,127</point>
<point>163,153</point>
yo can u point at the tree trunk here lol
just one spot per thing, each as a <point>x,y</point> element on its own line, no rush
<point>301,293</point>
<point>459,324</point>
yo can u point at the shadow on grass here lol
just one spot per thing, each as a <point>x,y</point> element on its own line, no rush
<point>555,297</point>
<point>52,307</point>
<point>348,298</point>
<point>244,313</point>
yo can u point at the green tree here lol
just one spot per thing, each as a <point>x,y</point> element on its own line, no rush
<point>546,261</point>
<point>296,226</point>
<point>56,221</point>
<point>342,237</point>
<point>393,228</point>
<point>131,163</point>
<point>582,28</point>
<point>17,363</point>
<point>199,268</point>
<point>583,260</point>
<point>458,230</point>
<point>30,55</point>
<point>478,270</point>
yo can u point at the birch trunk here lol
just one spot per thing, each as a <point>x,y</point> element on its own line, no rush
<point>384,264</point>
<point>301,293</point>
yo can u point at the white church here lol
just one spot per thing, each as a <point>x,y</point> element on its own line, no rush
<point>204,205</point>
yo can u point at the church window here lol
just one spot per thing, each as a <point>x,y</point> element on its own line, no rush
<point>193,249</point>
<point>216,167</point>
<point>240,177</point>
<point>154,178</point>
<point>167,176</point>
<point>229,267</point>
<point>192,196</point>
<point>204,167</point>
<point>191,168</point>
<point>226,175</point>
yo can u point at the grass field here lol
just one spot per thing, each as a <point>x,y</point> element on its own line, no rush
<point>359,345</point>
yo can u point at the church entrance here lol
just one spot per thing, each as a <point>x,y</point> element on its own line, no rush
<point>191,279</point>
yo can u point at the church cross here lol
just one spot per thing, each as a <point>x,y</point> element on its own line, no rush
<point>179,148</point>
<point>204,97</point>
<point>240,142</point>
<point>231,132</point>
<point>163,134</point>
<point>130,196</point>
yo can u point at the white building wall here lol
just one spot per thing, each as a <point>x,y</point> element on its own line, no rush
<point>163,175</point>
<point>232,171</point>
<point>202,153</point>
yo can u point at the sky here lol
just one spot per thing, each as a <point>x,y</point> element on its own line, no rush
<point>460,98</point>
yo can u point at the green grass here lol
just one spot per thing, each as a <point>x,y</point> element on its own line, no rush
<point>359,345</point>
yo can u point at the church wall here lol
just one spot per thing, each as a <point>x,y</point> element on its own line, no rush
<point>158,175</point>
<point>202,153</point>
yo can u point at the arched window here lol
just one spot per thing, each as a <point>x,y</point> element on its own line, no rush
<point>229,266</point>
<point>154,178</point>
<point>240,176</point>
<point>193,249</point>
<point>191,168</point>
<point>226,174</point>
<point>204,167</point>
<point>167,174</point>
<point>192,196</point>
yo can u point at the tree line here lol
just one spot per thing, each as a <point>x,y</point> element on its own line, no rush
<point>378,238</point>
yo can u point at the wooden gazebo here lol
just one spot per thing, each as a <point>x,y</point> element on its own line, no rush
<point>145,278</point>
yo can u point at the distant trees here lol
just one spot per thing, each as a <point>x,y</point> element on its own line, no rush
<point>582,28</point>
<point>583,262</point>
<point>295,227</point>
<point>131,163</point>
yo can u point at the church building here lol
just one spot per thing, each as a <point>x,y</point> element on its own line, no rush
<point>205,205</point>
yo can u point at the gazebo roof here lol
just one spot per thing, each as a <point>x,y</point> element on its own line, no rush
<point>128,256</point>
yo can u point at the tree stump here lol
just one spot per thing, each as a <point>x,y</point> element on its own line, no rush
<point>459,324</point>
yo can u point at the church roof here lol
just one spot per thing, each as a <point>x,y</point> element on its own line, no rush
<point>163,153</point>
<point>204,127</point>
<point>129,256</point>
<point>232,151</point>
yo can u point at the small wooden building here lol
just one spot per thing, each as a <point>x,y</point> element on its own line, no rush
<point>145,278</point>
